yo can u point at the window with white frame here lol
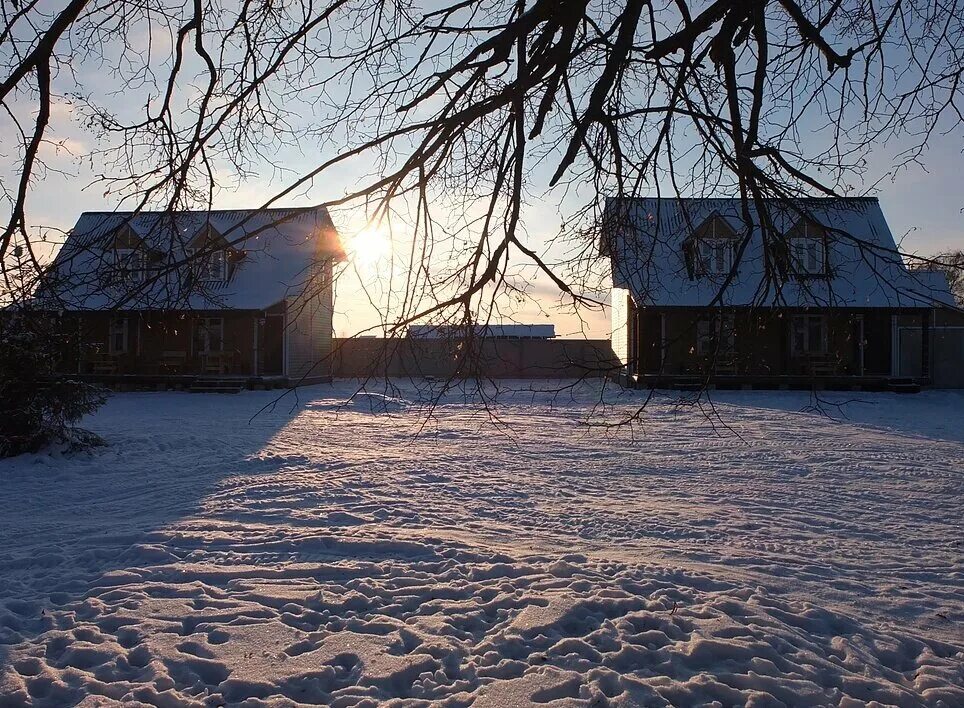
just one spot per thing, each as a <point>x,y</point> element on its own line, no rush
<point>716,335</point>
<point>714,242</point>
<point>716,255</point>
<point>808,250</point>
<point>117,336</point>
<point>808,335</point>
<point>808,256</point>
<point>210,266</point>
<point>209,335</point>
<point>131,263</point>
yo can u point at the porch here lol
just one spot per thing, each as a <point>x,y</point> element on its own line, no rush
<point>178,348</point>
<point>773,348</point>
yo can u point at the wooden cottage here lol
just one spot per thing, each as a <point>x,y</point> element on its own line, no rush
<point>822,299</point>
<point>233,297</point>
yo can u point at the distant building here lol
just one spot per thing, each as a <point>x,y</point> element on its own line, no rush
<point>242,293</point>
<point>507,331</point>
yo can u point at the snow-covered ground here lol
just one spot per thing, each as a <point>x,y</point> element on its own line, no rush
<point>324,554</point>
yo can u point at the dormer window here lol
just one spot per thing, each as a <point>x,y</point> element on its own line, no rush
<point>710,249</point>
<point>808,256</point>
<point>807,244</point>
<point>130,255</point>
<point>210,266</point>
<point>131,263</point>
<point>716,256</point>
<point>208,251</point>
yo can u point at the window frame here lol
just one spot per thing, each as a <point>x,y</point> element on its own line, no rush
<point>808,239</point>
<point>203,326</point>
<point>712,248</point>
<point>720,252</point>
<point>712,340</point>
<point>131,263</point>
<point>124,333</point>
<point>202,264</point>
<point>806,330</point>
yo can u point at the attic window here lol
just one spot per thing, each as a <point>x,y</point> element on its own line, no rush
<point>716,256</point>
<point>210,266</point>
<point>209,253</point>
<point>131,263</point>
<point>808,249</point>
<point>130,255</point>
<point>809,257</point>
<point>713,245</point>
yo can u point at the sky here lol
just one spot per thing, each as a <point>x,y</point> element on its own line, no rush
<point>923,205</point>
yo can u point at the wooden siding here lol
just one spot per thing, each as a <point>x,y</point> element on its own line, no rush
<point>667,343</point>
<point>308,327</point>
<point>253,343</point>
<point>155,340</point>
<point>623,320</point>
<point>649,341</point>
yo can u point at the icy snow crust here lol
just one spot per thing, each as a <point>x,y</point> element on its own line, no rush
<point>321,554</point>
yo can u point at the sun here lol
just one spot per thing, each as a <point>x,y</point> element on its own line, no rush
<point>371,245</point>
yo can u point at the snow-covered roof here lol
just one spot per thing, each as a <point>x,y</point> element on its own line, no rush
<point>272,252</point>
<point>506,331</point>
<point>645,239</point>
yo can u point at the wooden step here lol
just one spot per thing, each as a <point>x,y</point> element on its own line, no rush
<point>903,386</point>
<point>214,387</point>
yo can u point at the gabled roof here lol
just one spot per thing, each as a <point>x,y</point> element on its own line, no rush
<point>273,254</point>
<point>645,237</point>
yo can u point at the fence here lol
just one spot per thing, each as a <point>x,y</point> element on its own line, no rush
<point>946,355</point>
<point>489,358</point>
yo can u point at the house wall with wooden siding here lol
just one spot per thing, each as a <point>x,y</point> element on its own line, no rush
<point>762,342</point>
<point>623,321</point>
<point>878,350</point>
<point>254,343</point>
<point>649,341</point>
<point>150,335</point>
<point>308,327</point>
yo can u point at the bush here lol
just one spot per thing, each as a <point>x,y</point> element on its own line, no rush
<point>36,407</point>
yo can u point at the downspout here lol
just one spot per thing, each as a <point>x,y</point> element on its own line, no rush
<point>254,349</point>
<point>662,342</point>
<point>137,347</point>
<point>925,345</point>
<point>861,344</point>
<point>284,340</point>
<point>894,346</point>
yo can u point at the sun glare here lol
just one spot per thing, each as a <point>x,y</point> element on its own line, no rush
<point>371,245</point>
